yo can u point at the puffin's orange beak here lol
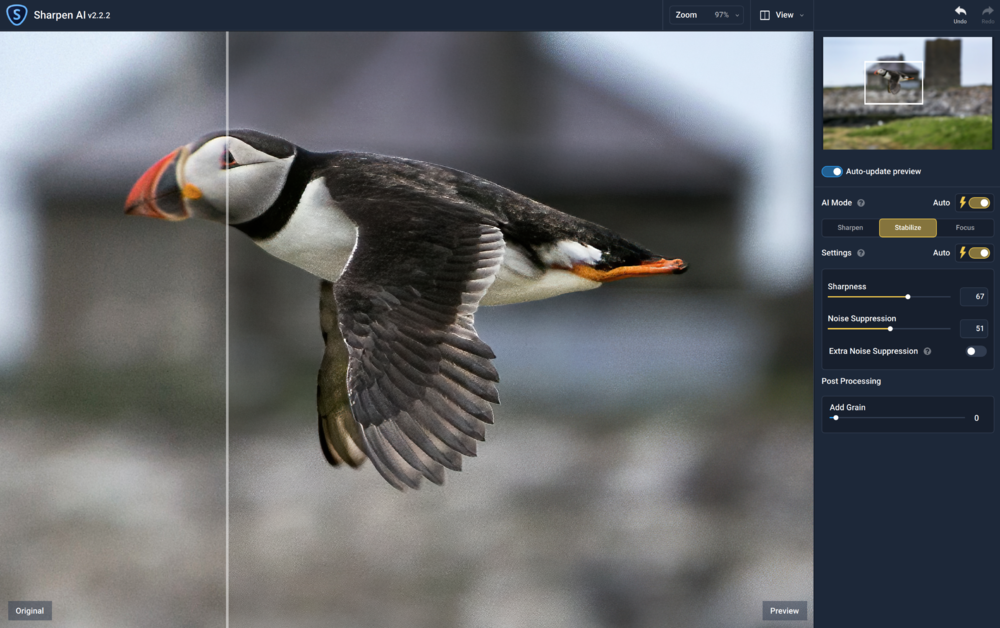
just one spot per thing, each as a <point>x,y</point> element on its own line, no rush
<point>157,193</point>
<point>653,267</point>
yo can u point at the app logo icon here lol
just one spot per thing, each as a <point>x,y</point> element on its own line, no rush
<point>17,13</point>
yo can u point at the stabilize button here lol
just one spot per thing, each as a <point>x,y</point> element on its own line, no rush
<point>907,228</point>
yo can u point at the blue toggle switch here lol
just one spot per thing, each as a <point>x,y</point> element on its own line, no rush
<point>832,172</point>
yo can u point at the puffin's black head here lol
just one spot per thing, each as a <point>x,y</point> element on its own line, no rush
<point>192,180</point>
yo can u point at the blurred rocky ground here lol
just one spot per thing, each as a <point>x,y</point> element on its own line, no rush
<point>689,516</point>
<point>657,524</point>
<point>847,103</point>
<point>114,526</point>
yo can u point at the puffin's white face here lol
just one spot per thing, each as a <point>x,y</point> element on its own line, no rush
<point>255,179</point>
<point>192,180</point>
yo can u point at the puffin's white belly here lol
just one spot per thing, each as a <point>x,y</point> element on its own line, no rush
<point>318,237</point>
<point>518,280</point>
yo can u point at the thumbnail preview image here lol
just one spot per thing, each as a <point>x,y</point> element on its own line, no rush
<point>886,93</point>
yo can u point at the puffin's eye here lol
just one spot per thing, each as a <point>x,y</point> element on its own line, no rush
<point>228,161</point>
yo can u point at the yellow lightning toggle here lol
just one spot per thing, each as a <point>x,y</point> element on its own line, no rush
<point>961,253</point>
<point>961,203</point>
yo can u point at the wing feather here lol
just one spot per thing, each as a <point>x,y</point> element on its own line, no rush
<point>419,380</point>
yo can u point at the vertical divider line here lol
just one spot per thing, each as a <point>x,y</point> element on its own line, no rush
<point>227,339</point>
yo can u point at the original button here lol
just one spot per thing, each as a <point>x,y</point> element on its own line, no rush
<point>907,228</point>
<point>29,611</point>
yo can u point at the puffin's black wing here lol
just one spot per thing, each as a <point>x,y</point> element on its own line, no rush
<point>894,86</point>
<point>419,379</point>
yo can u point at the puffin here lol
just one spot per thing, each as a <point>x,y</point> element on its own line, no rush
<point>406,251</point>
<point>894,78</point>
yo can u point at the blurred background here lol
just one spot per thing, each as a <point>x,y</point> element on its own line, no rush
<point>651,462</point>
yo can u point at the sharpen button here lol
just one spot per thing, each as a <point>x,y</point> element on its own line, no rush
<point>785,611</point>
<point>907,228</point>
<point>29,611</point>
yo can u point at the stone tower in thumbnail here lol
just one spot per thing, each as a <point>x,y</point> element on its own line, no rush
<point>943,63</point>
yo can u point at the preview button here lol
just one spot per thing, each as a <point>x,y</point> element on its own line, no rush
<point>794,611</point>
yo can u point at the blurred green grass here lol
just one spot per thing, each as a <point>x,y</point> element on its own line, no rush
<point>945,133</point>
